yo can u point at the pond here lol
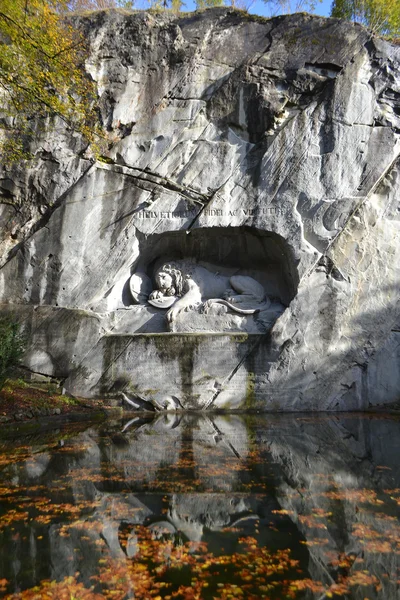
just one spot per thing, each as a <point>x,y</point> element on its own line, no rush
<point>202,507</point>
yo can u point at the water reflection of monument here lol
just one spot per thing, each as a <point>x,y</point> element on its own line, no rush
<point>186,479</point>
<point>298,483</point>
<point>309,484</point>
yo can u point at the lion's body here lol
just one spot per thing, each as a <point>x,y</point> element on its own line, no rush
<point>194,285</point>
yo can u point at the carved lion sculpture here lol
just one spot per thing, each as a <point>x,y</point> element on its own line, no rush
<point>184,285</point>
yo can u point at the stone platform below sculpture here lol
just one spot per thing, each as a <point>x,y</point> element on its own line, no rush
<point>146,319</point>
<point>174,371</point>
<point>95,354</point>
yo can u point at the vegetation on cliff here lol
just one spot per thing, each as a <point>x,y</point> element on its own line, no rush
<point>42,55</point>
<point>41,74</point>
<point>11,347</point>
<point>380,16</point>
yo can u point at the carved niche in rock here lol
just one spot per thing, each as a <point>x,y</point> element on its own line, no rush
<point>187,287</point>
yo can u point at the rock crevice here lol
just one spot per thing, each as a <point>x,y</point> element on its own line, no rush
<point>262,151</point>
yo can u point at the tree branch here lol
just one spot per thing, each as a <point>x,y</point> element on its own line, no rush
<point>34,43</point>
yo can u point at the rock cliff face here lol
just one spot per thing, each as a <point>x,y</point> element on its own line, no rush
<point>258,160</point>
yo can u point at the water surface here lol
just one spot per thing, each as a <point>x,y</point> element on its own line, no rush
<point>194,507</point>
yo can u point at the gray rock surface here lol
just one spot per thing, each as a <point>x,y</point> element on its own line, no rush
<point>264,148</point>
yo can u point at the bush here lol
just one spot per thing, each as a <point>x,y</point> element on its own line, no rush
<point>11,347</point>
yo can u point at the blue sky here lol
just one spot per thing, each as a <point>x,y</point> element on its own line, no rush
<point>261,8</point>
<point>258,7</point>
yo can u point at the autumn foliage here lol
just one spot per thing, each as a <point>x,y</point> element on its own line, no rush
<point>380,16</point>
<point>41,74</point>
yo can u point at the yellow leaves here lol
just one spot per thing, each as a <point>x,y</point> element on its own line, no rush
<point>321,513</point>
<point>12,516</point>
<point>358,578</point>
<point>147,575</point>
<point>300,585</point>
<point>67,589</point>
<point>315,542</point>
<point>380,16</point>
<point>252,573</point>
<point>362,578</point>
<point>230,591</point>
<point>282,512</point>
<point>374,541</point>
<point>40,67</point>
<point>156,563</point>
<point>310,521</point>
<point>361,530</point>
<point>362,496</point>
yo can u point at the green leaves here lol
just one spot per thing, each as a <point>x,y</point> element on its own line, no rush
<point>380,16</point>
<point>41,72</point>
<point>209,3</point>
<point>278,7</point>
<point>11,347</point>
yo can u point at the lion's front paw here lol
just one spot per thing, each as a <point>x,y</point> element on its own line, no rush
<point>206,306</point>
<point>156,295</point>
<point>172,314</point>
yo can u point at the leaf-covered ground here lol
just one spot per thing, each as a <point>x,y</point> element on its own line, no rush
<point>26,401</point>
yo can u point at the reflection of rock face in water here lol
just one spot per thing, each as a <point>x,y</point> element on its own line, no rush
<point>316,486</point>
<point>333,473</point>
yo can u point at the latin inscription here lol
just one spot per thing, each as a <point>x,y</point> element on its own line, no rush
<point>213,212</point>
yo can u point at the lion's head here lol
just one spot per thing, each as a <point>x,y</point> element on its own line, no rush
<point>171,278</point>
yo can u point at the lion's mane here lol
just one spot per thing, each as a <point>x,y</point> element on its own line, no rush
<point>179,272</point>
